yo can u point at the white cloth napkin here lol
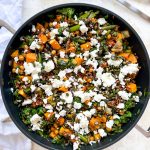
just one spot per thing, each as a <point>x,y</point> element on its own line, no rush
<point>10,137</point>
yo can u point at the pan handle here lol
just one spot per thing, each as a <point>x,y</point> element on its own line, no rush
<point>7,26</point>
<point>146,133</point>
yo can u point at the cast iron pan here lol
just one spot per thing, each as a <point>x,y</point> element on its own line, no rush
<point>143,79</point>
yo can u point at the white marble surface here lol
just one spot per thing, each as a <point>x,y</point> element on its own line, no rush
<point>134,140</point>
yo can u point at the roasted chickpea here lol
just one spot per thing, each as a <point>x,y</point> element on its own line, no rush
<point>21,57</point>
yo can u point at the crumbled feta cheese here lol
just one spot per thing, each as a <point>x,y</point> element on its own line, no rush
<point>102,21</point>
<point>76,127</point>
<point>87,113</point>
<point>48,106</point>
<point>75,145</point>
<point>94,42</point>
<point>57,115</point>
<point>16,59</point>
<point>75,17</point>
<point>62,74</point>
<point>83,28</point>
<point>93,32</point>
<point>97,82</point>
<point>64,24</point>
<point>103,104</point>
<point>25,79</point>
<point>93,53</point>
<point>115,116</point>
<point>77,68</point>
<point>102,132</point>
<point>107,79</point>
<point>62,54</point>
<point>61,39</point>
<point>17,70</point>
<point>124,95</point>
<point>33,28</point>
<point>34,45</point>
<point>47,56</point>
<point>115,63</point>
<point>93,111</point>
<point>62,113</point>
<point>121,106</point>
<point>104,32</point>
<point>27,102</point>
<point>36,122</point>
<point>56,83</point>
<point>77,105</point>
<point>48,66</point>
<point>47,89</point>
<point>72,136</point>
<point>99,97</point>
<point>66,33</point>
<point>99,72</point>
<point>67,96</point>
<point>54,23</point>
<point>81,22</point>
<point>45,100</point>
<point>92,62</point>
<point>127,69</point>
<point>109,124</point>
<point>86,55</point>
<point>108,55</point>
<point>136,98</point>
<point>53,33</point>
<point>72,55</point>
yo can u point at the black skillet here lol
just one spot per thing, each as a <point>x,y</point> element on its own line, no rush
<point>143,79</point>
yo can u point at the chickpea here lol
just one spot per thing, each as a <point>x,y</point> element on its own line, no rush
<point>53,52</point>
<point>20,71</point>
<point>13,70</point>
<point>22,67</point>
<point>21,57</point>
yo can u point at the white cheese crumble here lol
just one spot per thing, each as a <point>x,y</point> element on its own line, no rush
<point>103,104</point>
<point>62,113</point>
<point>136,98</point>
<point>102,21</point>
<point>104,32</point>
<point>47,89</point>
<point>121,106</point>
<point>53,33</point>
<point>36,122</point>
<point>92,62</point>
<point>45,100</point>
<point>115,63</point>
<point>34,45</point>
<point>64,24</point>
<point>66,33</point>
<point>48,106</point>
<point>33,28</point>
<point>93,53</point>
<point>67,96</point>
<point>75,145</point>
<point>109,124</point>
<point>27,102</point>
<point>99,72</point>
<point>127,69</point>
<point>48,66</point>
<point>16,59</point>
<point>61,39</point>
<point>83,27</point>
<point>79,68</point>
<point>102,132</point>
<point>93,32</point>
<point>107,79</point>
<point>62,54</point>
<point>54,23</point>
<point>94,42</point>
<point>99,97</point>
<point>77,105</point>
<point>47,56</point>
<point>72,55</point>
<point>124,95</point>
<point>115,116</point>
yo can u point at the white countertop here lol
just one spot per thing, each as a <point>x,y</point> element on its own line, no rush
<point>134,140</point>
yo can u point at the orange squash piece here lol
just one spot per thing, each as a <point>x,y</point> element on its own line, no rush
<point>125,55</point>
<point>15,54</point>
<point>86,46</point>
<point>131,87</point>
<point>63,89</point>
<point>31,57</point>
<point>60,121</point>
<point>78,60</point>
<point>39,26</point>
<point>22,93</point>
<point>94,123</point>
<point>55,44</point>
<point>48,115</point>
<point>43,38</point>
<point>132,58</point>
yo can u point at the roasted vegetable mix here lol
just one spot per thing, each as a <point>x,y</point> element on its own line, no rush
<point>74,77</point>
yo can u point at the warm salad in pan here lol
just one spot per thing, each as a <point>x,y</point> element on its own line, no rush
<point>74,77</point>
